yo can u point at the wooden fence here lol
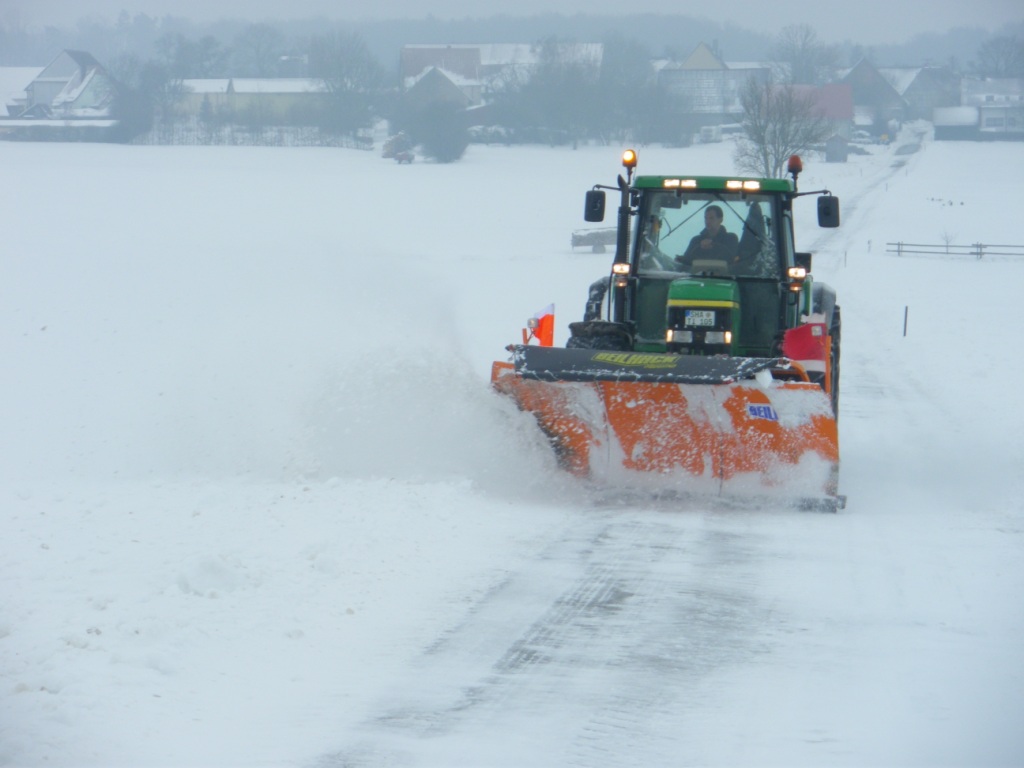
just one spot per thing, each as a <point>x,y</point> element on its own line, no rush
<point>973,251</point>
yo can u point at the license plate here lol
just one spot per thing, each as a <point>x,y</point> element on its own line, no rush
<point>700,317</point>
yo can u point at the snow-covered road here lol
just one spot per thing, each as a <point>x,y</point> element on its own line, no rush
<point>260,506</point>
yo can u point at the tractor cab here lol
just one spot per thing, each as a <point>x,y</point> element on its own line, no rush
<point>705,266</point>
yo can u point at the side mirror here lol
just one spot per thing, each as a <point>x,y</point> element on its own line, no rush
<point>594,208</point>
<point>828,211</point>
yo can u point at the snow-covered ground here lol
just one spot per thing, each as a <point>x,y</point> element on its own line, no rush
<point>261,508</point>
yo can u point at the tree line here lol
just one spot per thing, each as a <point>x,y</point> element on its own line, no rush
<point>564,99</point>
<point>567,99</point>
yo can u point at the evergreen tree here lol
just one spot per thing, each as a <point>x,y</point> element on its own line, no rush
<point>440,128</point>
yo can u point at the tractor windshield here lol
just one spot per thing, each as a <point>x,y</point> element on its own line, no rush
<point>714,233</point>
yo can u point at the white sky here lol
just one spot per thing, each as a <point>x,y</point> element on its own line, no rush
<point>865,21</point>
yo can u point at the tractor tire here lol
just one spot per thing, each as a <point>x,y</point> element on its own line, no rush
<point>606,342</point>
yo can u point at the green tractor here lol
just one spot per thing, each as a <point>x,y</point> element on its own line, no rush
<point>673,288</point>
<point>708,360</point>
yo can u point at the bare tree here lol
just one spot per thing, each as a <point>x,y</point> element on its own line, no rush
<point>147,95</point>
<point>625,90</point>
<point>561,94</point>
<point>802,57</point>
<point>352,79</point>
<point>441,128</point>
<point>778,121</point>
<point>184,58</point>
<point>1001,57</point>
<point>258,48</point>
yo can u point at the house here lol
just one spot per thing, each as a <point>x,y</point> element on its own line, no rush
<point>877,103</point>
<point>73,86</point>
<point>991,108</point>
<point>13,84</point>
<point>203,96</point>
<point>955,123</point>
<point>435,85</point>
<point>276,99</point>
<point>707,88</point>
<point>923,89</point>
<point>482,70</point>
<point>70,98</point>
<point>1000,105</point>
<point>832,101</point>
<point>462,60</point>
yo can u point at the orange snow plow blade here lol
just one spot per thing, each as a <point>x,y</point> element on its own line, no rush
<point>704,425</point>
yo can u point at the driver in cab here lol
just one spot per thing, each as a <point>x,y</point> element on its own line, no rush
<point>652,257</point>
<point>714,242</point>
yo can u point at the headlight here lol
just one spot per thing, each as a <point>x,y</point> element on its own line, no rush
<point>718,337</point>
<point>679,337</point>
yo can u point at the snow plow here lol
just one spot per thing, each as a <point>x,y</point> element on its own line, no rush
<point>707,362</point>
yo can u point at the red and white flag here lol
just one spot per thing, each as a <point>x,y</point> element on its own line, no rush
<point>541,327</point>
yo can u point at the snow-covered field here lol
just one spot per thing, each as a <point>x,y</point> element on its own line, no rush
<point>261,508</point>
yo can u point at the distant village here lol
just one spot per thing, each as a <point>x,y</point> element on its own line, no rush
<point>74,97</point>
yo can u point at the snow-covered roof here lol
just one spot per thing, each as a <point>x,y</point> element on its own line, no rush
<point>748,65</point>
<point>900,77</point>
<point>505,54</point>
<point>206,85</point>
<point>703,58</point>
<point>254,85</point>
<point>455,77</point>
<point>992,89</point>
<point>277,85</point>
<point>77,122</point>
<point>73,90</point>
<point>499,54</point>
<point>955,116</point>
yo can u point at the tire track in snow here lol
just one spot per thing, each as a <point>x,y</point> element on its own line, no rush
<point>831,244</point>
<point>608,633</point>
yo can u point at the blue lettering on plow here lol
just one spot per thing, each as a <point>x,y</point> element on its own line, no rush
<point>762,412</point>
